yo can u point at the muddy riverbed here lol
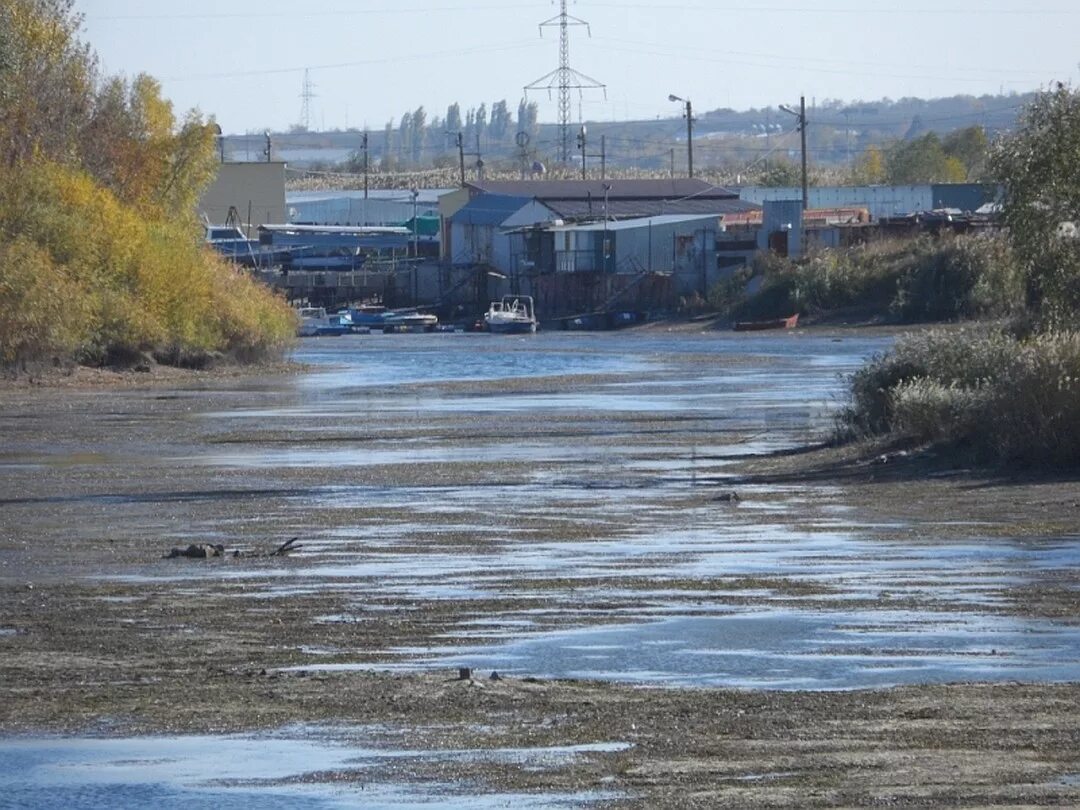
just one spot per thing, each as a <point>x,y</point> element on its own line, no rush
<point>681,605</point>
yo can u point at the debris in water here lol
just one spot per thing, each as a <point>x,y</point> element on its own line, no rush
<point>197,551</point>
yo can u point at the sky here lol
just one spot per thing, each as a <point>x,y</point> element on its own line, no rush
<point>369,61</point>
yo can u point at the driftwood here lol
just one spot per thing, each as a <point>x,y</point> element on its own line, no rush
<point>285,547</point>
<point>198,551</point>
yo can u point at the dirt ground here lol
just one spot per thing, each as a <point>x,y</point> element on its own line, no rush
<point>94,640</point>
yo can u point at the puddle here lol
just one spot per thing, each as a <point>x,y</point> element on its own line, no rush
<point>394,360</point>
<point>290,769</point>
<point>782,650</point>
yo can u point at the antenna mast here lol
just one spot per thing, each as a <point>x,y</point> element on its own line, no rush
<point>564,77</point>
<point>306,95</point>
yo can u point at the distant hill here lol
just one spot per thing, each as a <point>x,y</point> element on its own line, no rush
<point>724,139</point>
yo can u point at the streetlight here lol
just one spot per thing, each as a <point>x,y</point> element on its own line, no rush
<point>220,140</point>
<point>801,116</point>
<point>689,132</point>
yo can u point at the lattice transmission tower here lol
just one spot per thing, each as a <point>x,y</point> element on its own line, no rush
<point>564,77</point>
<point>306,95</point>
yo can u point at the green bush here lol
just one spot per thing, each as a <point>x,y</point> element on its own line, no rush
<point>964,277</point>
<point>1006,398</point>
<point>914,280</point>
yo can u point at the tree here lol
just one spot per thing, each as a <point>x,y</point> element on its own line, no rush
<point>419,132</point>
<point>922,160</point>
<point>453,118</point>
<point>528,116</point>
<point>47,79</point>
<point>469,131</point>
<point>405,132</point>
<point>388,139</point>
<point>780,174</point>
<point>1039,166</point>
<point>500,121</point>
<point>98,185</point>
<point>870,167</point>
<point>480,120</point>
<point>971,148</point>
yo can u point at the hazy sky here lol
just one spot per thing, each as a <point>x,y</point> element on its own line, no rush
<point>243,61</point>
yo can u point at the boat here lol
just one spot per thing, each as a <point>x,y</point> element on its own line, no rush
<point>315,322</point>
<point>511,315</point>
<point>368,315</point>
<point>789,322</point>
<point>232,244</point>
<point>409,320</point>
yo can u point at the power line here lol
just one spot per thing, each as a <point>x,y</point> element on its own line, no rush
<point>299,15</point>
<point>800,60</point>
<point>861,10</point>
<point>680,52</point>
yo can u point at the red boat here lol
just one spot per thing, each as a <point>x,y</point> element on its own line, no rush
<point>775,323</point>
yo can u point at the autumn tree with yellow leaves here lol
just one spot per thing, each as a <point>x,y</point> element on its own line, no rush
<point>101,256</point>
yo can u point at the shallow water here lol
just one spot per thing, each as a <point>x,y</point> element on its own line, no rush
<point>586,501</point>
<point>603,454</point>
<point>779,649</point>
<point>288,769</point>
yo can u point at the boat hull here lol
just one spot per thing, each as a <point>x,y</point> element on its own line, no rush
<point>773,323</point>
<point>511,328</point>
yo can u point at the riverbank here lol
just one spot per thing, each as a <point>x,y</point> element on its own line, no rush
<point>592,489</point>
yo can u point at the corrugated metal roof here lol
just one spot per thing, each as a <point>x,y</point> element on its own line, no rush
<point>425,196</point>
<point>546,190</point>
<point>627,209</point>
<point>489,209</point>
<point>640,222</point>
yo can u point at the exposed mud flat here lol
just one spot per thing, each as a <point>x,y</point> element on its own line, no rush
<point>690,614</point>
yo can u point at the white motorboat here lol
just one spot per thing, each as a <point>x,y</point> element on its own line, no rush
<point>513,314</point>
<point>314,321</point>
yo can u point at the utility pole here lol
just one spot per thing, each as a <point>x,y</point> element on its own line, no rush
<point>479,160</point>
<point>415,225</point>
<point>801,116</point>
<point>460,139</point>
<point>564,77</point>
<point>415,251</point>
<point>364,146</point>
<point>603,156</point>
<point>606,246</point>
<point>581,147</point>
<point>802,132</point>
<point>267,150</point>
